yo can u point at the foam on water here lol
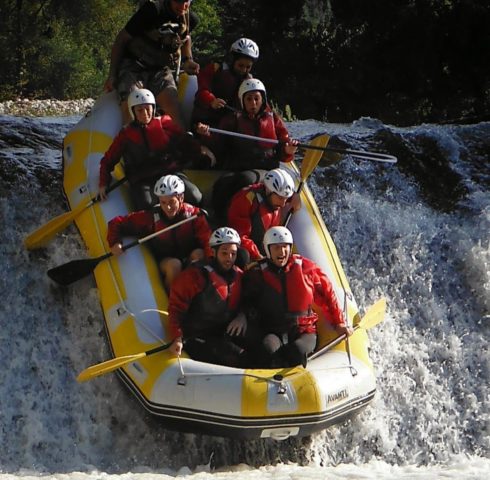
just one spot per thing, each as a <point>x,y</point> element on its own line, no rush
<point>427,253</point>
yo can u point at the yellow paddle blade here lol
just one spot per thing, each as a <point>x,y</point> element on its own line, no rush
<point>38,238</point>
<point>312,157</point>
<point>375,314</point>
<point>108,366</point>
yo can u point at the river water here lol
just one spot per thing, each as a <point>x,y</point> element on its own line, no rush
<point>416,233</point>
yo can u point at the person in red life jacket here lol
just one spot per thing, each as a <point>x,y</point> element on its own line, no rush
<point>179,246</point>
<point>205,306</point>
<point>153,45</point>
<point>243,156</point>
<point>258,207</point>
<point>218,83</point>
<point>151,146</point>
<point>255,118</point>
<point>282,291</point>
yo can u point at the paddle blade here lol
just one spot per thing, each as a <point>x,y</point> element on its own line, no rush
<point>40,237</point>
<point>312,157</point>
<point>72,271</point>
<point>107,367</point>
<point>375,314</point>
<point>334,153</point>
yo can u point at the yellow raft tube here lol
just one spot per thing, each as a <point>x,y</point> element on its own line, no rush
<point>194,396</point>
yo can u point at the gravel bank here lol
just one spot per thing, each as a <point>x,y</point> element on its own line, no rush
<point>45,108</point>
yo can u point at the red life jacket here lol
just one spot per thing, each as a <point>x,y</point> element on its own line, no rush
<point>286,298</point>
<point>261,211</point>
<point>178,242</point>
<point>224,84</point>
<point>247,154</point>
<point>215,306</point>
<point>147,149</point>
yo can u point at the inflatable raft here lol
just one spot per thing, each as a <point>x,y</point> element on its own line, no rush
<point>190,395</point>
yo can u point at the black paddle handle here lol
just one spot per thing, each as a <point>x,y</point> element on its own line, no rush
<point>158,349</point>
<point>110,188</point>
<point>290,213</point>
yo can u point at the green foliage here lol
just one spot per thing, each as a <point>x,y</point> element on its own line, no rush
<point>206,39</point>
<point>403,62</point>
<point>286,113</point>
<point>56,48</point>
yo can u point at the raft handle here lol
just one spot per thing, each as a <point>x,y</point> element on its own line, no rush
<point>281,389</point>
<point>182,381</point>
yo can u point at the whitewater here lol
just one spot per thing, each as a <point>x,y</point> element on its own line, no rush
<point>416,233</point>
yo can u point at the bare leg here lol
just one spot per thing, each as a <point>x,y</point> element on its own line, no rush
<point>170,268</point>
<point>168,101</point>
<point>126,117</point>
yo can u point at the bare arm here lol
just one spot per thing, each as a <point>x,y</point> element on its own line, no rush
<point>189,65</point>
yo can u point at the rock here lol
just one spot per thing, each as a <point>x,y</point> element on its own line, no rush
<point>43,108</point>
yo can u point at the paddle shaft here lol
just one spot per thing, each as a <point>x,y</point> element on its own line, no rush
<point>116,363</point>
<point>98,198</point>
<point>76,269</point>
<point>148,237</point>
<point>290,212</point>
<point>377,157</point>
<point>39,237</point>
<point>374,315</point>
<point>159,232</point>
<point>332,344</point>
<point>142,240</point>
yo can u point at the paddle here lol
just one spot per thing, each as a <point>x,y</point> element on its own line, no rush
<point>374,315</point>
<point>309,163</point>
<point>38,238</point>
<point>371,156</point>
<point>115,363</point>
<point>76,269</point>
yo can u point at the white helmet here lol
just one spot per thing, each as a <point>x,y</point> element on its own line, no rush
<point>224,235</point>
<point>280,182</point>
<point>169,185</point>
<point>141,96</point>
<point>276,235</point>
<point>251,85</point>
<point>246,47</point>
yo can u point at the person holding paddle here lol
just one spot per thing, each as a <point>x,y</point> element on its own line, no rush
<point>176,248</point>
<point>205,306</point>
<point>151,146</point>
<point>260,206</point>
<point>245,157</point>
<point>281,292</point>
<point>218,83</point>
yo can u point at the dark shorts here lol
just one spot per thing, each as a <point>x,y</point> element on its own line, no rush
<point>132,75</point>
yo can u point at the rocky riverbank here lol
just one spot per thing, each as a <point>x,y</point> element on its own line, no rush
<point>45,108</point>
